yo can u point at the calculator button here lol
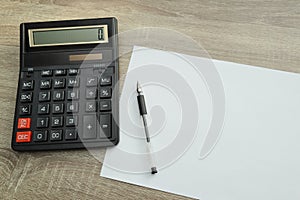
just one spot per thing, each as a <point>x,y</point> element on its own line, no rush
<point>89,126</point>
<point>71,134</point>
<point>57,121</point>
<point>27,85</point>
<point>58,95</point>
<point>58,108</point>
<point>90,106</point>
<point>23,136</point>
<point>26,97</point>
<point>72,94</point>
<point>40,136</point>
<point>44,96</point>
<point>46,72</point>
<point>45,84</point>
<point>72,107</point>
<point>105,105</point>
<point>105,92</point>
<point>25,110</point>
<point>59,72</point>
<point>92,81</point>
<point>24,123</point>
<point>42,122</point>
<point>43,108</point>
<point>73,82</point>
<point>105,125</point>
<point>55,135</point>
<point>59,83</point>
<point>91,93</point>
<point>71,120</point>
<point>73,72</point>
<point>106,80</point>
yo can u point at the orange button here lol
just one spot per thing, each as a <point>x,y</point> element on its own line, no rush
<point>24,123</point>
<point>24,136</point>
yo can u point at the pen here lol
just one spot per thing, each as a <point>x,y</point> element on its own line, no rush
<point>143,113</point>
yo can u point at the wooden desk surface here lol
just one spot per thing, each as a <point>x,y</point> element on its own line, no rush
<point>262,33</point>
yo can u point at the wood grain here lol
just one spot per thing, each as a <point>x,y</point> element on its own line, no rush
<point>262,33</point>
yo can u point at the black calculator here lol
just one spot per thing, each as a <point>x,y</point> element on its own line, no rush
<point>67,94</point>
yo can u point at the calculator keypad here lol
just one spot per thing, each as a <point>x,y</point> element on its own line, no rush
<point>65,106</point>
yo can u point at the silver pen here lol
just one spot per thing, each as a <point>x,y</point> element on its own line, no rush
<point>143,113</point>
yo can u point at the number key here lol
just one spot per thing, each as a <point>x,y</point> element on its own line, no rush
<point>71,120</point>
<point>43,109</point>
<point>73,94</point>
<point>42,122</point>
<point>58,108</point>
<point>56,135</point>
<point>57,121</point>
<point>40,136</point>
<point>44,96</point>
<point>72,107</point>
<point>58,95</point>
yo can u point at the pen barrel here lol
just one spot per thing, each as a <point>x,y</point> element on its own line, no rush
<point>151,157</point>
<point>142,104</point>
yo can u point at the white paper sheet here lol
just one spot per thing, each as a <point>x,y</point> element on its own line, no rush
<point>254,154</point>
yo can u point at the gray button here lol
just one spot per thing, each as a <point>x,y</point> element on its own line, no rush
<point>89,126</point>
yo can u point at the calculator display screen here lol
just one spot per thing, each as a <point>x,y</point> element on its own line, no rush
<point>68,36</point>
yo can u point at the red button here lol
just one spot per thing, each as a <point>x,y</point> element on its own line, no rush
<point>24,136</point>
<point>24,123</point>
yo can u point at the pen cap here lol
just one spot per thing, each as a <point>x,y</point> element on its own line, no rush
<point>142,105</point>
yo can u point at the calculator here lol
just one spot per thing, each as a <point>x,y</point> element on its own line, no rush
<point>67,95</point>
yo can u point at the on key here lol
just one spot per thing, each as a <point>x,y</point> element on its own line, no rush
<point>24,123</point>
